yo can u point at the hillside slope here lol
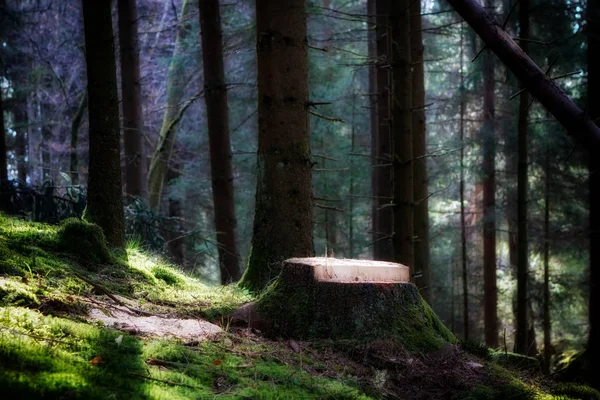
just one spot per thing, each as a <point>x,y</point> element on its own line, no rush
<point>77,321</point>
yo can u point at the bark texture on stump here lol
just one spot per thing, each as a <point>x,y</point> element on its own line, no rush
<point>283,217</point>
<point>105,195</point>
<point>300,306</point>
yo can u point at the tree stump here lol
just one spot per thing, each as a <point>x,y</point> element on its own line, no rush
<point>347,299</point>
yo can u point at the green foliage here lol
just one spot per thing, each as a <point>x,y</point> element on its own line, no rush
<point>514,360</point>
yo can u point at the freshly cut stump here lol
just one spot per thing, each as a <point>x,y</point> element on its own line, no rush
<point>349,299</point>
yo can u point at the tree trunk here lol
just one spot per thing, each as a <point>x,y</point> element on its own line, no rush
<point>421,193</point>
<point>382,247</point>
<point>75,125</point>
<point>3,156</point>
<point>522,344</point>
<point>47,136</point>
<point>573,119</point>
<point>463,229</point>
<point>105,195</point>
<point>546,306</point>
<point>283,214</point>
<point>20,127</point>
<point>489,200</point>
<point>402,160</point>
<point>217,114</point>
<point>176,243</point>
<point>594,182</point>
<point>176,82</point>
<point>131,90</point>
<point>373,121</point>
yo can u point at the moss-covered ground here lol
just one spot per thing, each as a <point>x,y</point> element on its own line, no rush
<point>48,349</point>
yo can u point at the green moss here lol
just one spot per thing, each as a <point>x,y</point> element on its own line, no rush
<point>48,357</point>
<point>84,240</point>
<point>514,360</point>
<point>16,293</point>
<point>575,391</point>
<point>167,275</point>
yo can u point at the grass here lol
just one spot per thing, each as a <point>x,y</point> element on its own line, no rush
<point>48,350</point>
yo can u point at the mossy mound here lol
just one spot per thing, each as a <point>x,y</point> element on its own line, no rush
<point>298,306</point>
<point>84,240</point>
<point>516,361</point>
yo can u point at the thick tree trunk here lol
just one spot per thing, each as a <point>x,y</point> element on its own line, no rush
<point>543,88</point>
<point>382,246</point>
<point>131,90</point>
<point>594,184</point>
<point>522,344</point>
<point>283,215</point>
<point>217,114</point>
<point>402,138</point>
<point>421,192</point>
<point>373,120</point>
<point>3,156</point>
<point>75,125</point>
<point>463,228</point>
<point>105,194</point>
<point>488,142</point>
<point>176,82</point>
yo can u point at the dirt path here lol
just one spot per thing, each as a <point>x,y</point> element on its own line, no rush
<point>124,318</point>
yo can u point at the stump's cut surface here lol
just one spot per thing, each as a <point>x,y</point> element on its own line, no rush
<point>350,299</point>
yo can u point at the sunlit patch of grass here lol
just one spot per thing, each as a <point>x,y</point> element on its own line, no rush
<point>36,255</point>
<point>53,357</point>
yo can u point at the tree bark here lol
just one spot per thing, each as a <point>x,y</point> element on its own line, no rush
<point>75,125</point>
<point>20,127</point>
<point>105,195</point>
<point>382,247</point>
<point>402,160</point>
<point>373,120</point>
<point>3,156</point>
<point>421,192</point>
<point>131,90</point>
<point>176,82</point>
<point>546,305</point>
<point>217,114</point>
<point>283,214</point>
<point>488,143</point>
<point>593,16</point>
<point>463,229</point>
<point>541,87</point>
<point>522,344</point>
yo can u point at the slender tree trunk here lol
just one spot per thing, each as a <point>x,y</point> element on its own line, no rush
<point>522,344</point>
<point>351,183</point>
<point>547,320</point>
<point>421,193</point>
<point>133,123</point>
<point>3,156</point>
<point>47,135</point>
<point>489,200</point>
<point>575,121</point>
<point>382,246</point>
<point>373,120</point>
<point>21,122</point>
<point>105,195</point>
<point>283,214</point>
<point>463,229</point>
<point>594,182</point>
<point>176,82</point>
<point>217,114</point>
<point>176,243</point>
<point>75,125</point>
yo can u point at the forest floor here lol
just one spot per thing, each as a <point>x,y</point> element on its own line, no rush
<point>135,327</point>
